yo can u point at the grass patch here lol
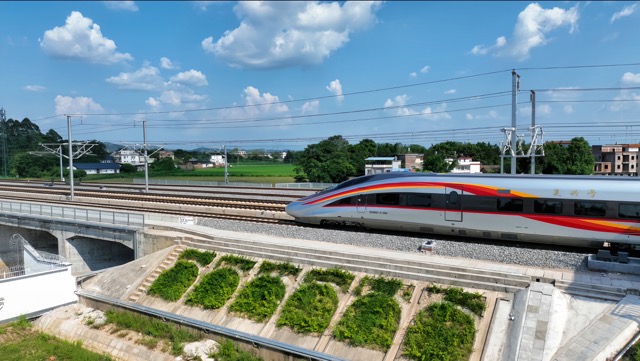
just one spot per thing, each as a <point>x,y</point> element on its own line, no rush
<point>203,258</point>
<point>215,289</point>
<point>309,309</point>
<point>386,286</point>
<point>244,264</point>
<point>20,342</point>
<point>288,269</point>
<point>473,302</point>
<point>371,321</point>
<point>173,282</point>
<point>227,351</point>
<point>259,299</point>
<point>441,332</point>
<point>340,278</point>
<point>153,329</point>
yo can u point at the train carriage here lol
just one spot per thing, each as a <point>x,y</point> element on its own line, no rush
<point>582,211</point>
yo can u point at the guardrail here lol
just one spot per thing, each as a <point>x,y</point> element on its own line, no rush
<point>170,182</point>
<point>80,214</point>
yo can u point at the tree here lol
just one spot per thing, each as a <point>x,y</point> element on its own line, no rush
<point>435,162</point>
<point>555,159</point>
<point>163,165</point>
<point>127,168</point>
<point>580,157</point>
<point>328,161</point>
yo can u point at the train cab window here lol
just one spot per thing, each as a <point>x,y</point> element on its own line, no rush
<point>629,211</point>
<point>547,206</point>
<point>510,205</point>
<point>418,200</point>
<point>594,209</point>
<point>343,201</point>
<point>388,199</point>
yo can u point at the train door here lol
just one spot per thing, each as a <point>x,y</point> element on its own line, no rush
<point>361,203</point>
<point>453,207</point>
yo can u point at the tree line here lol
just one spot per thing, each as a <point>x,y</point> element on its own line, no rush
<point>330,161</point>
<point>335,160</point>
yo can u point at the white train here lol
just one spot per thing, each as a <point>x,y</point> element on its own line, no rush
<point>583,211</point>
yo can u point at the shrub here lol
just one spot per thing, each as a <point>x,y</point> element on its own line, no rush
<point>340,278</point>
<point>381,284</point>
<point>215,289</point>
<point>372,320</point>
<point>282,268</point>
<point>172,283</point>
<point>259,299</point>
<point>309,308</point>
<point>474,302</point>
<point>202,257</point>
<point>243,263</point>
<point>153,328</point>
<point>441,332</point>
<point>227,351</point>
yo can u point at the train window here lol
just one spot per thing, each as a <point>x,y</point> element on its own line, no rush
<point>594,209</point>
<point>418,200</point>
<point>510,204</point>
<point>629,211</point>
<point>388,199</point>
<point>547,206</point>
<point>342,201</point>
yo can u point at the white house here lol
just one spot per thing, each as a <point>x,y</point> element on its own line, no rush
<point>130,157</point>
<point>465,165</point>
<point>217,160</point>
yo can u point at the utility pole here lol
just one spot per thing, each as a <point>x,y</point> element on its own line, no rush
<point>226,173</point>
<point>533,128</point>
<point>3,119</point>
<point>515,86</point>
<point>70,157</point>
<point>146,161</point>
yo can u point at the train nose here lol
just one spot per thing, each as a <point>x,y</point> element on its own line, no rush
<point>293,209</point>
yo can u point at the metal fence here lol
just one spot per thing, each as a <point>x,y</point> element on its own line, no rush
<point>234,184</point>
<point>80,214</point>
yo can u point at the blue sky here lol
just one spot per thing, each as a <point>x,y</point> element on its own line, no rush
<point>281,75</point>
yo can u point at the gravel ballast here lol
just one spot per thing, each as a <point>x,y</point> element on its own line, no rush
<point>532,257</point>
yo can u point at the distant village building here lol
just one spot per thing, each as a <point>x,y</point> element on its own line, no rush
<point>376,165</point>
<point>217,160</point>
<point>165,154</point>
<point>127,156</point>
<point>616,159</point>
<point>413,162</point>
<point>465,165</point>
<point>98,168</point>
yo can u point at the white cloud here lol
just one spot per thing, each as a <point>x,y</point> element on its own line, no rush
<point>276,34</point>
<point>469,116</point>
<point>34,88</point>
<point>531,30</point>
<point>568,109</point>
<point>153,102</point>
<point>166,63</point>
<point>310,107</point>
<point>190,77</point>
<point>81,39</point>
<point>626,100</point>
<point>336,89</point>
<point>77,105</point>
<point>398,106</point>
<point>121,5</point>
<point>541,110</point>
<point>631,78</point>
<point>413,74</point>
<point>626,11</point>
<point>264,103</point>
<point>146,78</point>
<point>450,91</point>
<point>425,69</point>
<point>179,95</point>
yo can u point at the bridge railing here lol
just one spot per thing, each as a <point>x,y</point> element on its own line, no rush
<point>80,214</point>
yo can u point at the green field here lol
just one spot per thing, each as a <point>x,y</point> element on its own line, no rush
<point>250,173</point>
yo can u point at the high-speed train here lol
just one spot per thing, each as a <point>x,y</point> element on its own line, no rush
<point>582,211</point>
